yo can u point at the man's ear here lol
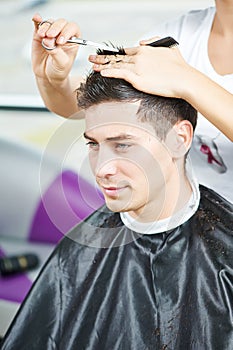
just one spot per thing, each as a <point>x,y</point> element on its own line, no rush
<point>179,138</point>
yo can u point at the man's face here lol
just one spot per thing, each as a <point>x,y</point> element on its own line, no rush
<point>131,166</point>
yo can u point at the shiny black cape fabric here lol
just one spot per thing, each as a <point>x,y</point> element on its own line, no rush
<point>167,291</point>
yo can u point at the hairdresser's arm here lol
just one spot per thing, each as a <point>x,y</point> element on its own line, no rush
<point>164,72</point>
<point>52,68</point>
<point>211,100</point>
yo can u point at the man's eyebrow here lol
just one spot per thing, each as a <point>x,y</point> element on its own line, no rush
<point>119,137</point>
<point>88,137</point>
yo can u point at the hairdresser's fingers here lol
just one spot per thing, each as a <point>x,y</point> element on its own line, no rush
<point>122,65</point>
<point>53,29</point>
<point>103,59</point>
<point>131,51</point>
<point>148,41</point>
<point>37,19</point>
<point>110,59</point>
<point>58,65</point>
<point>125,74</point>
<point>63,30</point>
<point>145,84</point>
<point>36,43</point>
<point>44,26</point>
<point>132,77</point>
<point>61,55</point>
<point>69,30</point>
<point>59,29</point>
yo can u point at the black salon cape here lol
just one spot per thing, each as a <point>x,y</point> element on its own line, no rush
<point>166,291</point>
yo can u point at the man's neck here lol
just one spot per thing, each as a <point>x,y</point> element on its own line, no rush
<point>183,212</point>
<point>176,195</point>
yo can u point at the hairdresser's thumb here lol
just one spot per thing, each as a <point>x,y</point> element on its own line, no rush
<point>148,41</point>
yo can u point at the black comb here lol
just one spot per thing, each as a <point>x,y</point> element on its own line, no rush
<point>164,42</point>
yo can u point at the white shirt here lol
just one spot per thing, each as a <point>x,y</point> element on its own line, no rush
<point>212,152</point>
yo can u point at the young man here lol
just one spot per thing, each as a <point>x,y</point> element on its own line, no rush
<point>152,269</point>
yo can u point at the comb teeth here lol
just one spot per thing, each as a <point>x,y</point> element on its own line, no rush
<point>120,51</point>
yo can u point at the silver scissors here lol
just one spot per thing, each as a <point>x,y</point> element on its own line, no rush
<point>79,41</point>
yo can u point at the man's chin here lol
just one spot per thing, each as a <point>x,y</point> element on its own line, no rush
<point>117,207</point>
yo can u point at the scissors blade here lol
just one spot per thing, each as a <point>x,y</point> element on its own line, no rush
<point>80,41</point>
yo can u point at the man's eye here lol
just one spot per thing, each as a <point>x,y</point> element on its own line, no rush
<point>92,145</point>
<point>122,146</point>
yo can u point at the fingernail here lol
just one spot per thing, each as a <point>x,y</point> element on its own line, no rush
<point>92,57</point>
<point>61,40</point>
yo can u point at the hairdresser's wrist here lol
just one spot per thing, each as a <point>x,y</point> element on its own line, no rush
<point>189,84</point>
<point>61,86</point>
<point>61,99</point>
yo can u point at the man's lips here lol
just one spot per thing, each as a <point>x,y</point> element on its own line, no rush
<point>113,191</point>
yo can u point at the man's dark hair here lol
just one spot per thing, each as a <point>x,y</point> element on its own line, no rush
<point>161,112</point>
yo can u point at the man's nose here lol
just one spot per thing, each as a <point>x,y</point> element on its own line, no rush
<point>106,164</point>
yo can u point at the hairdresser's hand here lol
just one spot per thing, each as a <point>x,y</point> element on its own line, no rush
<point>52,67</point>
<point>56,64</point>
<point>159,71</point>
